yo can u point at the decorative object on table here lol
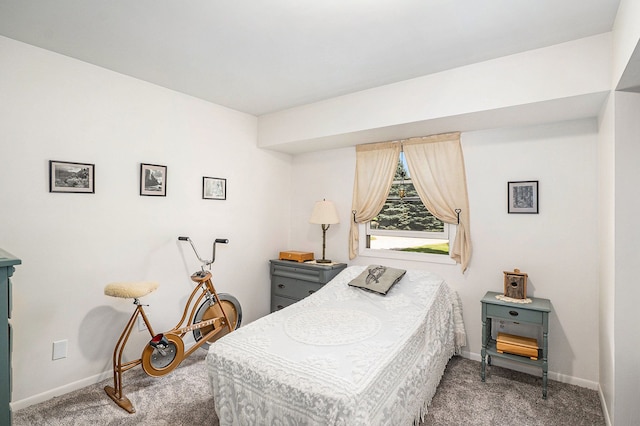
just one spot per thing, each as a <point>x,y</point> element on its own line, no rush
<point>214,188</point>
<point>515,284</point>
<point>65,176</point>
<point>297,256</point>
<point>517,345</point>
<point>153,180</point>
<point>325,214</point>
<point>522,197</point>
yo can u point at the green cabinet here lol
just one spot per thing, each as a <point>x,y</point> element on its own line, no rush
<point>293,281</point>
<point>7,261</point>
<point>535,313</point>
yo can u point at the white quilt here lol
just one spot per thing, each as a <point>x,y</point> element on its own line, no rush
<point>342,356</point>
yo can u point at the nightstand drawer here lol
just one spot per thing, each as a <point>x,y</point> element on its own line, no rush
<point>514,314</point>
<point>293,281</point>
<point>296,289</point>
<point>302,272</point>
<point>279,302</point>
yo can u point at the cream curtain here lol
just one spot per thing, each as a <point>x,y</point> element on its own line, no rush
<point>375,167</point>
<point>436,167</point>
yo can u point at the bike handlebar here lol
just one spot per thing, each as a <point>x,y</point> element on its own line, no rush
<point>213,253</point>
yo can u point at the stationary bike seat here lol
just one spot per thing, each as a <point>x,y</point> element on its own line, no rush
<point>130,290</point>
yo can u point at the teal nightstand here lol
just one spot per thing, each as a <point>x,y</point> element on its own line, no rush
<point>536,312</point>
<point>7,261</point>
<point>293,281</point>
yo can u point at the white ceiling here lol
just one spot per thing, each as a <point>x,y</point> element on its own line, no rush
<point>261,56</point>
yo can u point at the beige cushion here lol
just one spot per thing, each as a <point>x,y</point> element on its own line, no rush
<point>378,278</point>
<point>130,290</point>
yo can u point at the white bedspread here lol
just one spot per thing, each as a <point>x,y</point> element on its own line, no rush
<point>342,356</point>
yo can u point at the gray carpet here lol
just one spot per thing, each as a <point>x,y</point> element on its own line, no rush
<point>508,398</point>
<point>183,398</point>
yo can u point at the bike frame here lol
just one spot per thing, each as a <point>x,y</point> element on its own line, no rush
<point>185,325</point>
<point>203,291</point>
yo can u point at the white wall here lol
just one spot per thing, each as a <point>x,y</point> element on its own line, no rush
<point>627,258</point>
<point>607,253</point>
<point>618,149</point>
<point>71,245</point>
<point>557,248</point>
<point>626,34</point>
<point>541,79</point>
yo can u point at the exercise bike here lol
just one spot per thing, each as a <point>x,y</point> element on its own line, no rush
<point>207,315</point>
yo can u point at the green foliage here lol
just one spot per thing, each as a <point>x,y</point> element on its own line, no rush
<point>403,210</point>
<point>431,248</point>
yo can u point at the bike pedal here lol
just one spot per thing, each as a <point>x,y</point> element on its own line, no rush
<point>159,341</point>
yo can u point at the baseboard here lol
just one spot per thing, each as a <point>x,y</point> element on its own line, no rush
<point>605,411</point>
<point>52,393</point>
<point>69,387</point>
<point>562,378</point>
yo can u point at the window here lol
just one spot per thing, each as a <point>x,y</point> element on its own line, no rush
<point>437,165</point>
<point>404,224</point>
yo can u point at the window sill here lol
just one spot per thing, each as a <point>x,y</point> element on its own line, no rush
<point>403,255</point>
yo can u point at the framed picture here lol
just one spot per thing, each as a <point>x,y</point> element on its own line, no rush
<point>214,188</point>
<point>65,176</point>
<point>153,180</point>
<point>522,196</point>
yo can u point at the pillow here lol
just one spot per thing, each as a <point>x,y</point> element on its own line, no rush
<point>378,278</point>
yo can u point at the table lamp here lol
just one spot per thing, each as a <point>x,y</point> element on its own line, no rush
<point>324,214</point>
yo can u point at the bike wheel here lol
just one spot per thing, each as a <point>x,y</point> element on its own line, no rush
<point>158,363</point>
<point>232,309</point>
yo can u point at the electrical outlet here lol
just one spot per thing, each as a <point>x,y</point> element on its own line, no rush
<point>141,325</point>
<point>60,349</point>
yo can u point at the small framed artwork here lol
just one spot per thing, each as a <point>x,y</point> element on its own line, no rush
<point>65,176</point>
<point>522,196</point>
<point>214,188</point>
<point>153,180</point>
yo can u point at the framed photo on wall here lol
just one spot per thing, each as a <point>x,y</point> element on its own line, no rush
<point>153,180</point>
<point>522,196</point>
<point>65,176</point>
<point>214,188</point>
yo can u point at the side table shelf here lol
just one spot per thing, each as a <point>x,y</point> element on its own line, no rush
<point>536,312</point>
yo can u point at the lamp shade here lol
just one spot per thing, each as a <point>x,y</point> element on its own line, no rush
<point>324,213</point>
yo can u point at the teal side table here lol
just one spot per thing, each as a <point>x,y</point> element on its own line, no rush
<point>293,281</point>
<point>536,312</point>
<point>7,261</point>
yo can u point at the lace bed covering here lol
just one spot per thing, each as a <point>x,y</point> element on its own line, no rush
<point>342,356</point>
<point>331,326</point>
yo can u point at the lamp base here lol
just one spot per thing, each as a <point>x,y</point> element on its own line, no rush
<point>323,261</point>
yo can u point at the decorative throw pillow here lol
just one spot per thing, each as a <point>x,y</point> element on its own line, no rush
<point>378,278</point>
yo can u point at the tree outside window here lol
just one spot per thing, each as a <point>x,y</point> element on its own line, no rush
<point>404,223</point>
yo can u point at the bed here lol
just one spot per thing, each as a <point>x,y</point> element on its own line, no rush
<point>342,356</point>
